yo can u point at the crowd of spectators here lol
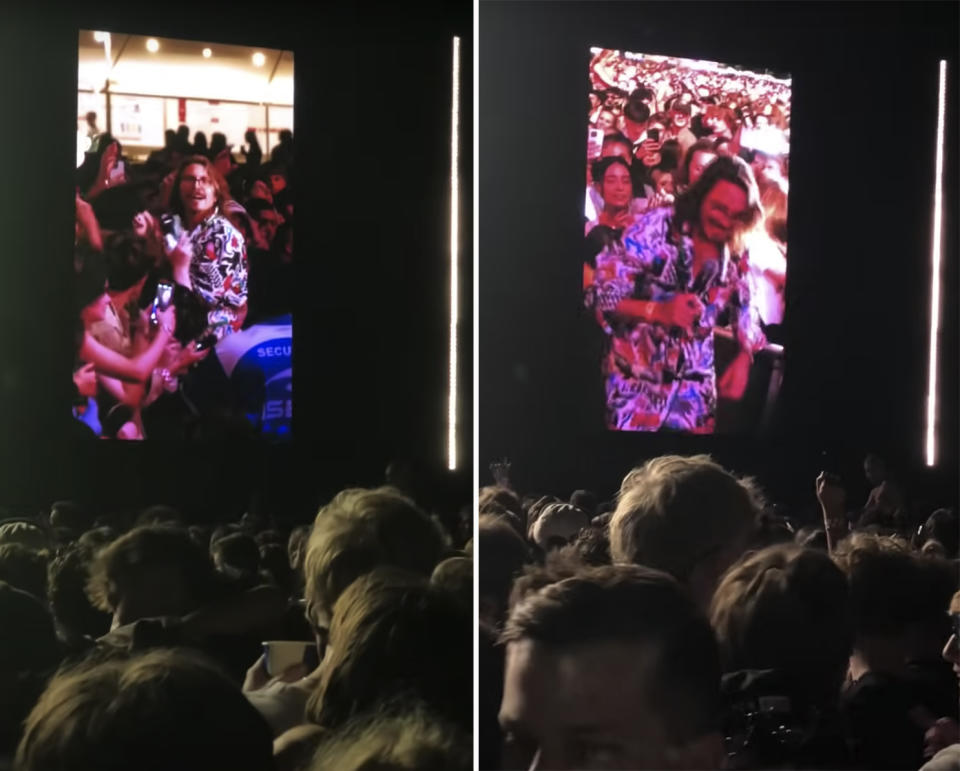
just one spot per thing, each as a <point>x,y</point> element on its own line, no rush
<point>219,234</point>
<point>688,622</point>
<point>135,640</point>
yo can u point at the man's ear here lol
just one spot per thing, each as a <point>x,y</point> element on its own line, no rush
<point>705,752</point>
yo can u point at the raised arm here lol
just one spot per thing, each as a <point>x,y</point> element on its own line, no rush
<point>136,369</point>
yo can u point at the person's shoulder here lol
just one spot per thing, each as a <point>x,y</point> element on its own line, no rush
<point>948,759</point>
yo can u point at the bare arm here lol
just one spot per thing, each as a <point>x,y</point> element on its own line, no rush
<point>137,369</point>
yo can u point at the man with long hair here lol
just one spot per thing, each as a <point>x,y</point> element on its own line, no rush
<point>681,274</point>
<point>208,257</point>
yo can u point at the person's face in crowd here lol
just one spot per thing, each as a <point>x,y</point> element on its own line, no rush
<point>277,182</point>
<point>581,707</point>
<point>715,123</point>
<point>96,311</point>
<point>701,159</point>
<point>606,122</point>
<point>686,98</point>
<point>722,208</point>
<point>268,221</point>
<point>616,149</point>
<point>594,102</point>
<point>197,190</point>
<point>679,120</point>
<point>616,188</point>
<point>664,183</point>
<point>260,189</point>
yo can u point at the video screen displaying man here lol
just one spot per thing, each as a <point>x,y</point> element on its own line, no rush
<point>183,253</point>
<point>685,262</point>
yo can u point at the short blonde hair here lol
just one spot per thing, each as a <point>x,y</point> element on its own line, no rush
<point>165,709</point>
<point>360,530</point>
<point>675,510</point>
<point>413,741</point>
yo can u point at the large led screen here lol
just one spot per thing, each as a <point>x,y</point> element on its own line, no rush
<point>685,261</point>
<point>183,251</point>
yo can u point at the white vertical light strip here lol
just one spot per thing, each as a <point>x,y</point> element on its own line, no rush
<point>936,254</point>
<point>454,258</point>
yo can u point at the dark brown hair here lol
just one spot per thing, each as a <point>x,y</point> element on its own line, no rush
<point>630,603</point>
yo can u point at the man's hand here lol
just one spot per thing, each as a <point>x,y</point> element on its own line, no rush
<point>681,310</point>
<point>186,358</point>
<point>733,382</point>
<point>180,257</point>
<point>830,493</point>
<point>85,379</point>
<point>501,472</point>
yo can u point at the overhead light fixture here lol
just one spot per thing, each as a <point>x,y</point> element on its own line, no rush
<point>259,59</point>
<point>207,53</point>
<point>153,45</point>
<point>101,37</point>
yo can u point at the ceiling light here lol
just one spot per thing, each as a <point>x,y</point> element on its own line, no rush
<point>100,37</point>
<point>152,45</point>
<point>259,59</point>
<point>207,53</point>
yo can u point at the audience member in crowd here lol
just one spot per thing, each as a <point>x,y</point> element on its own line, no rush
<point>29,654</point>
<point>612,668</point>
<point>686,516</point>
<point>415,740</point>
<point>159,711</point>
<point>886,714</point>
<point>24,568</point>
<point>504,555</point>
<point>782,621</point>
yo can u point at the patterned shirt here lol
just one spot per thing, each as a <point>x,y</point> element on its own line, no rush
<point>218,272</point>
<point>658,377</point>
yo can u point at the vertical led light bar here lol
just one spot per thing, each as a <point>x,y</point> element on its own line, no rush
<point>454,258</point>
<point>936,254</point>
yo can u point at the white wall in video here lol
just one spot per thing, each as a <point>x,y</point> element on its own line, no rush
<point>184,239</point>
<point>685,261</point>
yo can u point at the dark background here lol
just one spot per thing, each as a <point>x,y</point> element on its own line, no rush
<point>372,123</point>
<point>863,130</point>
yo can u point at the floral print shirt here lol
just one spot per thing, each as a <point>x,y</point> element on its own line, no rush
<point>658,377</point>
<point>218,272</point>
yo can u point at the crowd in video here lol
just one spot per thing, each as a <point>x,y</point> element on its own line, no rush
<point>686,233</point>
<point>688,622</point>
<point>132,640</point>
<point>184,288</point>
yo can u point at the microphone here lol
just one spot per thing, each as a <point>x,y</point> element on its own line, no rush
<point>708,273</point>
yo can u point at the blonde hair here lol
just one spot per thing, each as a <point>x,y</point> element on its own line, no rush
<point>360,530</point>
<point>164,709</point>
<point>393,637</point>
<point>413,741</point>
<point>675,510</point>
